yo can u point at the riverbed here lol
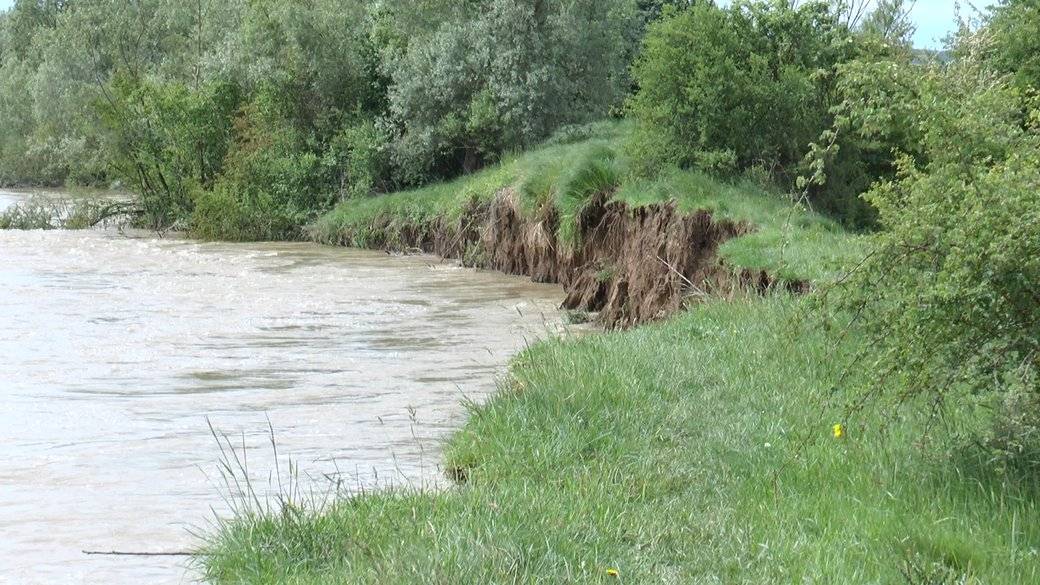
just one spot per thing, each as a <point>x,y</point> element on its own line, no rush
<point>119,351</point>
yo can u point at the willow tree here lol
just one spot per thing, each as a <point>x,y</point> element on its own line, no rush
<point>498,75</point>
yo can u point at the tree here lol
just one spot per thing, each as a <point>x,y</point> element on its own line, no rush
<point>728,88</point>
<point>1015,29</point>
<point>890,21</point>
<point>503,75</point>
<point>20,56</point>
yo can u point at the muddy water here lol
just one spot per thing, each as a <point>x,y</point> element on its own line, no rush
<point>116,349</point>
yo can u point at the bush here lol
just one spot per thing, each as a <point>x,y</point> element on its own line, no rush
<point>949,294</point>
<point>171,140</point>
<point>874,120</point>
<point>735,87</point>
<point>359,154</point>
<point>272,182</point>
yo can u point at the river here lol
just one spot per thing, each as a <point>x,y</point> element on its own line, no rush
<point>118,350</point>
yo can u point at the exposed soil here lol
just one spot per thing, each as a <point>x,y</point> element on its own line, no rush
<point>630,266</point>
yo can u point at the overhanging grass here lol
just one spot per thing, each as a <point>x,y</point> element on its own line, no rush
<point>697,450</point>
<point>791,243</point>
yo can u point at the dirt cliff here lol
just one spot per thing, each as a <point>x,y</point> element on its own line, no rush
<point>629,265</point>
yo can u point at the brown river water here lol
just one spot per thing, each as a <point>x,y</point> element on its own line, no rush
<point>118,350</point>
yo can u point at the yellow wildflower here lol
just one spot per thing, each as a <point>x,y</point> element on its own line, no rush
<point>613,572</point>
<point>839,431</point>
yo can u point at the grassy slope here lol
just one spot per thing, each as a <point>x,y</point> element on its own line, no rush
<point>559,175</point>
<point>697,450</point>
<point>668,453</point>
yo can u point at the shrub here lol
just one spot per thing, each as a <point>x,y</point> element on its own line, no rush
<point>949,294</point>
<point>1015,29</point>
<point>359,154</point>
<point>171,140</point>
<point>874,120</point>
<point>735,87</point>
<point>272,182</point>
<point>32,215</point>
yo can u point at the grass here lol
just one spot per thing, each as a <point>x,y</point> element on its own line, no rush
<point>699,450</point>
<point>693,451</point>
<point>791,242</point>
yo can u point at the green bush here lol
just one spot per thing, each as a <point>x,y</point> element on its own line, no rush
<point>949,295</point>
<point>171,140</point>
<point>874,120</point>
<point>724,89</point>
<point>272,182</point>
<point>1015,30</point>
<point>360,156</point>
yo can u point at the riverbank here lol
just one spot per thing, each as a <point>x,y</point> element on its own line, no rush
<point>631,250</point>
<point>696,449</point>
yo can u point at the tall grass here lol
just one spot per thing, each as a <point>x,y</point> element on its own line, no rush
<point>595,174</point>
<point>694,451</point>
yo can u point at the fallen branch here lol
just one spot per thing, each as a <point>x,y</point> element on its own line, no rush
<point>121,208</point>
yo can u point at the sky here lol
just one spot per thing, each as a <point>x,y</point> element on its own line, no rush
<point>934,19</point>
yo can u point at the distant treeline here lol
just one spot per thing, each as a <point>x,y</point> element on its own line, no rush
<point>244,119</point>
<point>253,114</point>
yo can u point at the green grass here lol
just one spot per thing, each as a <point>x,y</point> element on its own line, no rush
<point>790,242</point>
<point>698,450</point>
<point>693,451</point>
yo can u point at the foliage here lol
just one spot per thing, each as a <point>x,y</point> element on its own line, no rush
<point>272,182</point>
<point>372,96</point>
<point>32,215</point>
<point>360,155</point>
<point>949,294</point>
<point>890,22</point>
<point>170,139</point>
<point>1015,29</point>
<point>502,75</point>
<point>20,156</point>
<point>872,122</point>
<point>572,133</point>
<point>722,89</point>
<point>41,212</point>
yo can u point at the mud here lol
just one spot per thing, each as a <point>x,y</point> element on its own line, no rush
<point>629,265</point>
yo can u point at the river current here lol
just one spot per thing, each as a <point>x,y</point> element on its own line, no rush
<point>119,351</point>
